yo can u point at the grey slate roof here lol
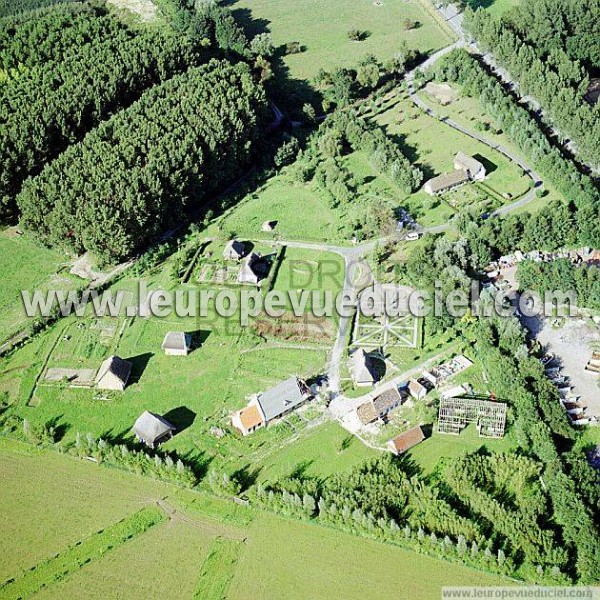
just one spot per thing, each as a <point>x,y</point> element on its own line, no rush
<point>254,268</point>
<point>387,401</point>
<point>285,396</point>
<point>176,340</point>
<point>151,428</point>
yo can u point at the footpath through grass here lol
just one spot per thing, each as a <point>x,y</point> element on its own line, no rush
<point>218,570</point>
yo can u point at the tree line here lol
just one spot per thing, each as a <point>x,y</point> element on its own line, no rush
<point>540,46</point>
<point>52,105</point>
<point>141,170</point>
<point>562,274</point>
<point>555,226</point>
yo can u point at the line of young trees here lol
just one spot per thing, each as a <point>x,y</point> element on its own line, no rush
<point>543,433</point>
<point>142,169</point>
<point>54,34</point>
<point>539,60</point>
<point>558,225</point>
<point>53,105</point>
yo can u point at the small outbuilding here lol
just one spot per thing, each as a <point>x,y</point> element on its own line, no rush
<point>113,374</point>
<point>248,420</point>
<point>177,343</point>
<point>474,169</point>
<point>362,369</point>
<point>152,429</point>
<point>417,390</point>
<point>234,250</point>
<point>405,441</point>
<point>269,225</point>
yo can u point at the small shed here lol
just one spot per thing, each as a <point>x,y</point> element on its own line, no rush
<point>362,369</point>
<point>269,225</point>
<point>234,250</point>
<point>405,441</point>
<point>177,343</point>
<point>253,270</point>
<point>417,390</point>
<point>113,374</point>
<point>152,429</point>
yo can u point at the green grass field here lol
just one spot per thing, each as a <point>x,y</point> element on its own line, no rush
<point>26,266</point>
<point>496,7</point>
<point>280,201</point>
<point>52,501</point>
<point>433,146</point>
<point>468,112</point>
<point>322,27</point>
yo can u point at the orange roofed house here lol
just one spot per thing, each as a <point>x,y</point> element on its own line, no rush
<point>405,441</point>
<point>248,420</point>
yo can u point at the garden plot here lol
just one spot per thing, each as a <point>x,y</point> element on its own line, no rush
<point>80,350</point>
<point>386,331</point>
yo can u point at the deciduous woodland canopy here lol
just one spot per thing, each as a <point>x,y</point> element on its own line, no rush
<point>139,171</point>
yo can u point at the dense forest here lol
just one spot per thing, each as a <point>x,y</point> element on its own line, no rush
<point>552,48</point>
<point>557,225</point>
<point>14,7</point>
<point>53,34</point>
<point>53,105</point>
<point>139,171</point>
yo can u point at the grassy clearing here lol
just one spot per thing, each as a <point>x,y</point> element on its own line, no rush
<point>26,266</point>
<point>301,213</point>
<point>218,569</point>
<point>308,561</point>
<point>51,502</point>
<point>65,563</point>
<point>440,447</point>
<point>305,456</point>
<point>433,145</point>
<point>496,7</point>
<point>162,563</point>
<point>322,27</point>
<point>468,112</point>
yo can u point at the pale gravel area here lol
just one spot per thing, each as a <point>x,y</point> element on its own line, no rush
<point>573,343</point>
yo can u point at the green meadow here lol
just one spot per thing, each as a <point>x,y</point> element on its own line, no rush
<point>197,550</point>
